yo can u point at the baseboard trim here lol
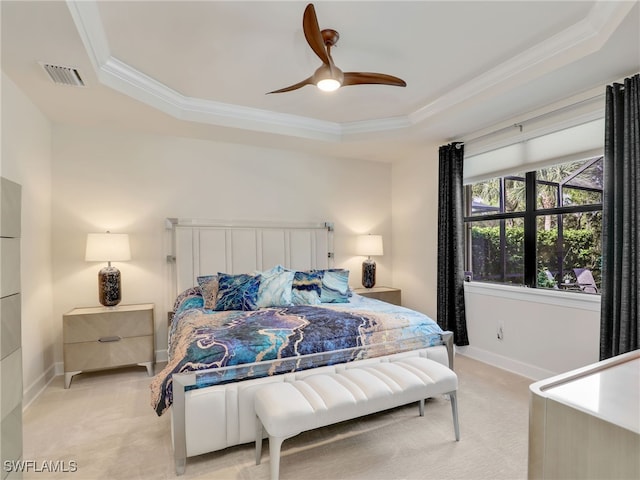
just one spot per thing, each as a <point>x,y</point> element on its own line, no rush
<point>33,391</point>
<point>505,363</point>
<point>162,356</point>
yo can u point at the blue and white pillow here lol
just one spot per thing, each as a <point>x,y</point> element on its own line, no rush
<point>275,288</point>
<point>186,296</point>
<point>335,286</point>
<point>306,288</point>
<point>188,303</point>
<point>209,288</point>
<point>237,292</point>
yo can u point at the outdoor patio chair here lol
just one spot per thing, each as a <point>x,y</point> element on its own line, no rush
<point>551,278</point>
<point>584,279</point>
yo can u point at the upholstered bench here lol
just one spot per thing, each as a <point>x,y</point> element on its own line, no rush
<point>288,408</point>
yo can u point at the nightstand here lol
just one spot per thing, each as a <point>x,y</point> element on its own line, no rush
<point>386,294</point>
<point>98,338</point>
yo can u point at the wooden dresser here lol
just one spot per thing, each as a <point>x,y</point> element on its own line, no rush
<point>98,338</point>
<point>586,423</point>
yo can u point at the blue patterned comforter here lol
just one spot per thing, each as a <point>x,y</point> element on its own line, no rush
<point>285,339</point>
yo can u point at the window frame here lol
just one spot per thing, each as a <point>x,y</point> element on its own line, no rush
<point>529,215</point>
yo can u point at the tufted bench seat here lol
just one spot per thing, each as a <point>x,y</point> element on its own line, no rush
<point>288,408</point>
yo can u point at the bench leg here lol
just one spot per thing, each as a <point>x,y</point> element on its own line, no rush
<point>259,433</point>
<point>181,465</point>
<point>421,407</point>
<point>275,444</point>
<point>454,410</point>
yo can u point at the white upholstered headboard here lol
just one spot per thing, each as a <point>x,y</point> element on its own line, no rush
<point>204,247</point>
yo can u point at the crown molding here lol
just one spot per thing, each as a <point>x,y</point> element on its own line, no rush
<point>125,79</point>
<point>129,81</point>
<point>86,17</point>
<point>581,39</point>
<point>377,125</point>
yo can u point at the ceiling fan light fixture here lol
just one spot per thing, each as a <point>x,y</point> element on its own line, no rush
<point>328,84</point>
<point>328,78</point>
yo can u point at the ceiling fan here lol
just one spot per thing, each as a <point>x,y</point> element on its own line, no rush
<point>328,77</point>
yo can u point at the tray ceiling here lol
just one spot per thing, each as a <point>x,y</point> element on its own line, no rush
<point>202,68</point>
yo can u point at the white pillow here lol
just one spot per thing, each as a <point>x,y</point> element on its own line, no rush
<point>275,288</point>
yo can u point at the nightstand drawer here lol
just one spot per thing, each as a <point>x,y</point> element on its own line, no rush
<point>79,326</point>
<point>96,338</point>
<point>99,355</point>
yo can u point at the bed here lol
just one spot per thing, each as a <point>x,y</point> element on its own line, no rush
<point>262,303</point>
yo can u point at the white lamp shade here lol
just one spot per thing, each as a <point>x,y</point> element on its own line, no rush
<point>369,245</point>
<point>107,247</point>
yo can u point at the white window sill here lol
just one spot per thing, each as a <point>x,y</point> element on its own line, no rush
<point>583,301</point>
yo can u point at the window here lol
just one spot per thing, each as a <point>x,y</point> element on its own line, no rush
<point>541,229</point>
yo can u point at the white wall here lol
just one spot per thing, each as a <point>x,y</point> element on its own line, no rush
<point>415,233</point>
<point>544,332</point>
<point>543,336</point>
<point>129,183</point>
<point>79,180</point>
<point>26,159</point>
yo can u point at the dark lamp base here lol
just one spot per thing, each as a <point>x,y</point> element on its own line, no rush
<point>109,292</point>
<point>368,273</point>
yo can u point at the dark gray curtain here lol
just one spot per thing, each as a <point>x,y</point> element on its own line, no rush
<point>451,311</point>
<point>619,329</point>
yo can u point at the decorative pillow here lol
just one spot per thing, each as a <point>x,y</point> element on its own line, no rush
<point>335,286</point>
<point>195,301</point>
<point>306,288</point>
<point>189,293</point>
<point>275,288</point>
<point>190,298</point>
<point>237,292</point>
<point>209,288</point>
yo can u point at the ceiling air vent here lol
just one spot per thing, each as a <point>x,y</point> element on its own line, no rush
<point>63,75</point>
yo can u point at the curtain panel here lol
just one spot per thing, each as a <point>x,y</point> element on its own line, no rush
<point>619,329</point>
<point>450,290</point>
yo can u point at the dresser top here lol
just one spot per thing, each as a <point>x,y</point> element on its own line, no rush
<point>117,308</point>
<point>609,390</point>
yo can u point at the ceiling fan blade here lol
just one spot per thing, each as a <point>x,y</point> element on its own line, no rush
<point>313,35</point>
<point>363,78</point>
<point>306,81</point>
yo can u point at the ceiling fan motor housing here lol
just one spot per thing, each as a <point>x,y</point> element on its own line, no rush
<point>326,72</point>
<point>330,37</point>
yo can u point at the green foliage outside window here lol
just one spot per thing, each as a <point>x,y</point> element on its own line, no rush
<point>544,279</point>
<point>581,249</point>
<point>567,231</point>
<point>487,260</point>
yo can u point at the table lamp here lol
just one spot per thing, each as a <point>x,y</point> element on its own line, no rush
<point>369,245</point>
<point>108,247</point>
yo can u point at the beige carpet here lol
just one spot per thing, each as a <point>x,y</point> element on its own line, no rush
<point>104,424</point>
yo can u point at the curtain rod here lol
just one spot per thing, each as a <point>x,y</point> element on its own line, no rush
<point>521,124</point>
